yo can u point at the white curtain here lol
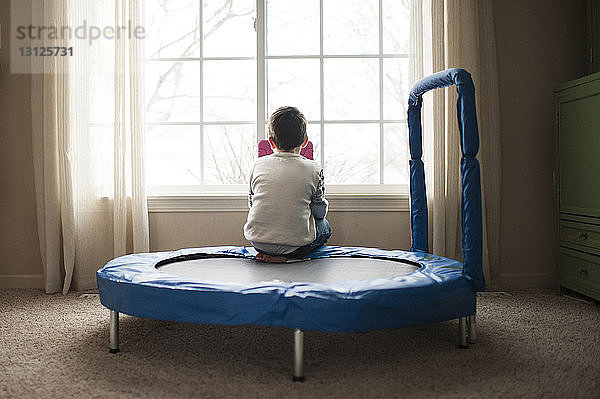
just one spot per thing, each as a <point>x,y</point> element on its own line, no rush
<point>88,142</point>
<point>458,34</point>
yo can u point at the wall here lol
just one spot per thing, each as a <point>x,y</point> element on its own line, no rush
<point>388,230</point>
<point>20,263</point>
<point>540,44</point>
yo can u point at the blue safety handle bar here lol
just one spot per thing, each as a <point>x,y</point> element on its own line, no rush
<point>472,240</point>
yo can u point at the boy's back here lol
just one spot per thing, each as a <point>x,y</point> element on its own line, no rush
<point>282,187</point>
<point>286,198</point>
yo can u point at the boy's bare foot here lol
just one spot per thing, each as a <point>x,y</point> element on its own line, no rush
<point>271,259</point>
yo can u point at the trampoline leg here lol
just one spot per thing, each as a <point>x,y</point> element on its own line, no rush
<point>114,331</point>
<point>462,333</point>
<point>298,355</point>
<point>472,329</point>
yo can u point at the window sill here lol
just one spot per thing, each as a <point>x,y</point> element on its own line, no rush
<point>239,203</point>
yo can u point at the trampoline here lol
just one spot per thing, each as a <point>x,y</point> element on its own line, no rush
<point>335,289</point>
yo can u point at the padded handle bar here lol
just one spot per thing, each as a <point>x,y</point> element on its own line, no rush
<point>472,241</point>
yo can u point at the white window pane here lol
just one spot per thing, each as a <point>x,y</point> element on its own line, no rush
<point>295,83</point>
<point>229,152</point>
<point>350,27</point>
<point>173,155</point>
<point>351,88</point>
<point>293,27</point>
<point>396,26</point>
<point>352,153</point>
<point>173,91</point>
<point>395,88</point>
<point>395,150</point>
<point>100,71</point>
<point>172,28</point>
<point>229,28</point>
<point>229,91</point>
<point>99,152</point>
<point>101,97</point>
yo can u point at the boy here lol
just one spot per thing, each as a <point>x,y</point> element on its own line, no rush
<point>286,198</point>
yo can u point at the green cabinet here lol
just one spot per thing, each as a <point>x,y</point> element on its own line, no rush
<point>577,181</point>
<point>593,35</point>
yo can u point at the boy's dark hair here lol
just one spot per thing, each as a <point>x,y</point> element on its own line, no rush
<point>287,128</point>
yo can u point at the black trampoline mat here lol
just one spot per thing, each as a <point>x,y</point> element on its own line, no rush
<point>324,270</point>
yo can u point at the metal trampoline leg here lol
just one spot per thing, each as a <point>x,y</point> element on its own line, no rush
<point>462,333</point>
<point>471,322</point>
<point>298,355</point>
<point>114,331</point>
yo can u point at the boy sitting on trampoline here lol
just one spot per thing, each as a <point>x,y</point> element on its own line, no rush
<point>286,198</point>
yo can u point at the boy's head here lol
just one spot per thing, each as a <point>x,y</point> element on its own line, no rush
<point>287,128</point>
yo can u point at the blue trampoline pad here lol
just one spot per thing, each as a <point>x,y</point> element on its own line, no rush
<point>337,289</point>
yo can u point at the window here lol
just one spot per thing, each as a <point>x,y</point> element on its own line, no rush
<point>215,70</point>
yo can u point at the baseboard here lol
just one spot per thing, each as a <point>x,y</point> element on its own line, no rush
<point>524,280</point>
<point>21,281</point>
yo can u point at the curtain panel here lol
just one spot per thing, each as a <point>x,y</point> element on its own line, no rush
<point>458,34</point>
<point>88,141</point>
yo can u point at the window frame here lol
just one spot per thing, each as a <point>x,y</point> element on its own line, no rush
<point>349,196</point>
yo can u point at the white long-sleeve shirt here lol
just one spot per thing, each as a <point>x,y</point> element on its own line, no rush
<point>286,194</point>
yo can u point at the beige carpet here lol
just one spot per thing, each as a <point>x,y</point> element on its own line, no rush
<point>531,344</point>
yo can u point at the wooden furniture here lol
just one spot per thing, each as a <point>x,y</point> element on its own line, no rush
<point>593,36</point>
<point>577,182</point>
